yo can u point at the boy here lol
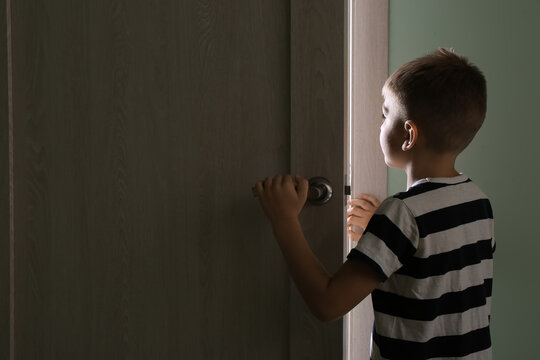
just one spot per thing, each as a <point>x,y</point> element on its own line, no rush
<point>426,255</point>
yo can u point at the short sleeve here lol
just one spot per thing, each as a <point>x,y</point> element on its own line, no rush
<point>390,239</point>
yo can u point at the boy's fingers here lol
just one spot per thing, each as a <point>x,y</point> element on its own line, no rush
<point>364,204</point>
<point>360,202</point>
<point>277,181</point>
<point>359,213</point>
<point>372,199</point>
<point>365,199</point>
<point>259,188</point>
<point>356,221</point>
<point>267,183</point>
<point>353,235</point>
<point>286,179</point>
<point>303,186</point>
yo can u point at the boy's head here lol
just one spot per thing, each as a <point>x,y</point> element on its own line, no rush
<point>444,95</point>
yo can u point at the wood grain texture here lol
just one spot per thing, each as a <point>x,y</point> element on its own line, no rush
<point>4,191</point>
<point>369,60</point>
<point>317,133</point>
<point>140,128</point>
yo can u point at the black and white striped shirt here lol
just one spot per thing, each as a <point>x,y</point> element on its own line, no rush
<point>433,248</point>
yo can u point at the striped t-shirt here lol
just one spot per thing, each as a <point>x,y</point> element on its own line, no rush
<point>433,248</point>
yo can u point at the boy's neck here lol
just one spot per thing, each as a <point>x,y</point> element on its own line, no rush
<point>430,165</point>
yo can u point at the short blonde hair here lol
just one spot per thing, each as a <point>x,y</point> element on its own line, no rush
<point>445,95</point>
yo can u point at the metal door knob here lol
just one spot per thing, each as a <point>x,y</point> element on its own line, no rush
<point>319,192</point>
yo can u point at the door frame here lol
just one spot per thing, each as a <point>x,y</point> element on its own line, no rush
<point>339,62</point>
<point>367,70</point>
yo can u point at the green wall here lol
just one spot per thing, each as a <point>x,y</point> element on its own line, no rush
<point>503,39</point>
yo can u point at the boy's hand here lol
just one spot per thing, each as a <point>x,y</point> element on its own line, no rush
<point>279,199</point>
<point>359,213</point>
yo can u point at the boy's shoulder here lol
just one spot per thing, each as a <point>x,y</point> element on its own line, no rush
<point>432,194</point>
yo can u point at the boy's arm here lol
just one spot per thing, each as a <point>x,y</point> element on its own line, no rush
<point>329,297</point>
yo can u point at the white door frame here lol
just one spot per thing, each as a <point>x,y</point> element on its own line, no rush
<point>366,71</point>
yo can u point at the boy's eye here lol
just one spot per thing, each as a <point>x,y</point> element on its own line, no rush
<point>382,116</point>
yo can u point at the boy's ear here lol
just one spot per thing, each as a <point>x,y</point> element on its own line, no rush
<point>411,135</point>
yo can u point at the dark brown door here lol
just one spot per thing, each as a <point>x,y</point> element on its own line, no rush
<point>139,128</point>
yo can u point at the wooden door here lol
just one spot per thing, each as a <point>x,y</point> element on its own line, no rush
<point>139,128</point>
<point>4,191</point>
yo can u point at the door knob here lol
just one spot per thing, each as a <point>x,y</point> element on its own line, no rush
<point>319,192</point>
